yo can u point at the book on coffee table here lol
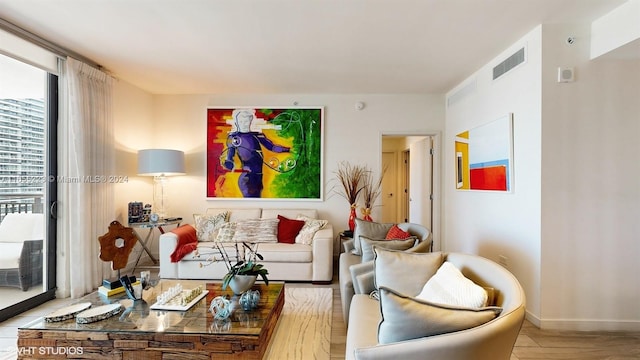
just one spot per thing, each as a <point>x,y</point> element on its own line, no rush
<point>115,291</point>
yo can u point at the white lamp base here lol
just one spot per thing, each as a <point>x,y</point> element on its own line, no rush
<point>159,197</point>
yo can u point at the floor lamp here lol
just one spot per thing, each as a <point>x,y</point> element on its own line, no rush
<point>160,163</point>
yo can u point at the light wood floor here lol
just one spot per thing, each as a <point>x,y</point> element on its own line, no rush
<point>532,343</point>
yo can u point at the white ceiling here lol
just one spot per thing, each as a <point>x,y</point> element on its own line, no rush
<point>292,46</point>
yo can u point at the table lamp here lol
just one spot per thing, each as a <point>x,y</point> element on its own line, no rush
<point>160,163</point>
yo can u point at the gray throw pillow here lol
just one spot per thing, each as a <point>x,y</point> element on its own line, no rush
<point>405,318</point>
<point>369,229</point>
<point>403,271</point>
<point>367,245</point>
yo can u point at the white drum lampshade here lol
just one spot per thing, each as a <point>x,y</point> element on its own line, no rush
<point>160,163</point>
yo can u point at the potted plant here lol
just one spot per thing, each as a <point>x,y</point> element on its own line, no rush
<point>242,273</point>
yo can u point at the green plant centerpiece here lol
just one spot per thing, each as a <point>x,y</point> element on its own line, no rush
<point>245,262</point>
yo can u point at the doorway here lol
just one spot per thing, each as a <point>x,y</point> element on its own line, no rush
<point>408,185</point>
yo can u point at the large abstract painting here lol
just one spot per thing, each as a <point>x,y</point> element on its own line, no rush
<point>484,156</point>
<point>264,153</point>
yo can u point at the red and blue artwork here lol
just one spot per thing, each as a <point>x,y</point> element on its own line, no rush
<point>484,157</point>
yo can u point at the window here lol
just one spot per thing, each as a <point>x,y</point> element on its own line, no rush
<point>28,118</point>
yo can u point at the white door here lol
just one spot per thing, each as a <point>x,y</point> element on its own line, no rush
<point>420,163</point>
<point>389,194</point>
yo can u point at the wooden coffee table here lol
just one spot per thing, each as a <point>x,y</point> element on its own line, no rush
<point>140,333</point>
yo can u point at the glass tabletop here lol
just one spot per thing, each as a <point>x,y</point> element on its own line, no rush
<point>151,224</point>
<point>136,316</point>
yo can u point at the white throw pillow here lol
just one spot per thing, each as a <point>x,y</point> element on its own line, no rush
<point>449,286</point>
<point>311,226</point>
<point>207,226</point>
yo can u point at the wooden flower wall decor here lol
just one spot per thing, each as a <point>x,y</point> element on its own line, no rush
<point>117,244</point>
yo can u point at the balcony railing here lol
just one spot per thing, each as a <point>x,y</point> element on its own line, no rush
<point>20,203</point>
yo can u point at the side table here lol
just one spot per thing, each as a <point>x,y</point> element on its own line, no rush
<point>151,226</point>
<point>345,236</point>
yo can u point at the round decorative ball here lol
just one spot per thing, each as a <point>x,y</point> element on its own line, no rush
<point>221,308</point>
<point>249,300</point>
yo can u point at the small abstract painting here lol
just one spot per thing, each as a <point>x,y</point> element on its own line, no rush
<point>484,156</point>
<point>264,153</point>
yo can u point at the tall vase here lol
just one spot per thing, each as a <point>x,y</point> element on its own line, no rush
<point>366,214</point>
<point>352,217</point>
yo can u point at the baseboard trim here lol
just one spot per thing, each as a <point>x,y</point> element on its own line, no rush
<point>591,325</point>
<point>532,319</point>
<point>583,324</point>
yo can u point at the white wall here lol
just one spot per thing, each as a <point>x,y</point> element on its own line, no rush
<point>590,187</point>
<point>179,122</point>
<point>501,224</point>
<point>133,130</point>
<point>570,228</point>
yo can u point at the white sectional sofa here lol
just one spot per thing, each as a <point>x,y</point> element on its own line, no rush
<point>286,262</point>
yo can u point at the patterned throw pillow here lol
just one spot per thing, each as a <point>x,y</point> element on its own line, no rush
<point>311,226</point>
<point>256,230</point>
<point>396,233</point>
<point>207,225</point>
<point>401,317</point>
<point>226,232</point>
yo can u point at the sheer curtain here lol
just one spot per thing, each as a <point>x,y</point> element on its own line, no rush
<point>85,160</point>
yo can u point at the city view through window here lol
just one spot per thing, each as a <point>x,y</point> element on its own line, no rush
<point>23,183</point>
<point>22,137</point>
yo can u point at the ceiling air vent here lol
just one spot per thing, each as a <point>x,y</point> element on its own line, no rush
<point>512,61</point>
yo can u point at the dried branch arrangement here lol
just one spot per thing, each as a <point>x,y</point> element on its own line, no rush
<point>371,188</point>
<point>351,181</point>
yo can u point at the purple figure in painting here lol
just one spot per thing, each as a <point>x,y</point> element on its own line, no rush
<point>247,145</point>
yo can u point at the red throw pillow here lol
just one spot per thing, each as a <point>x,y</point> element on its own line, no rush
<point>288,229</point>
<point>396,233</point>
